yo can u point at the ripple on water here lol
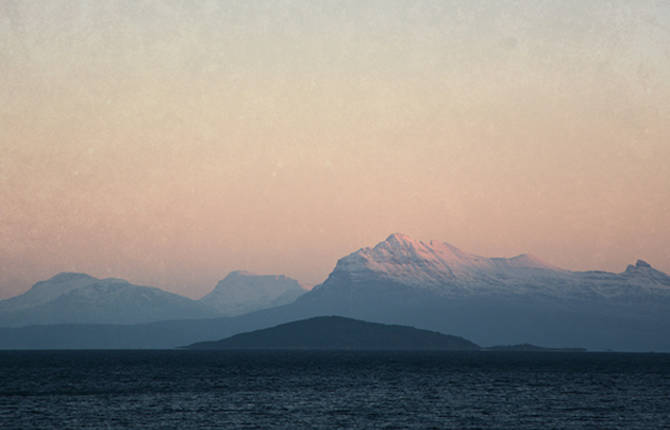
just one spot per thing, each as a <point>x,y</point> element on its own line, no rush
<point>318,390</point>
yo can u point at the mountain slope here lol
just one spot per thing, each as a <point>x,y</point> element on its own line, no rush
<point>432,265</point>
<point>444,270</point>
<point>335,332</point>
<point>80,298</point>
<point>243,292</point>
<point>45,291</point>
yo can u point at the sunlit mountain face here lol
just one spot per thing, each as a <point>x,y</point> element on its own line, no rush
<point>443,269</point>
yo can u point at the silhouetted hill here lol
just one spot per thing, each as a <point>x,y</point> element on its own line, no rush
<point>335,332</point>
<point>525,347</point>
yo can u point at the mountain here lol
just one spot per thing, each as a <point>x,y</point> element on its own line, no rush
<point>333,332</point>
<point>433,286</point>
<point>243,292</point>
<point>46,291</point>
<point>441,269</point>
<point>436,286</point>
<point>80,298</point>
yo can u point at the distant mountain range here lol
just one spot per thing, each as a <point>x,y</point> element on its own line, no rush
<point>333,332</point>
<point>77,298</point>
<point>428,285</point>
<point>83,299</point>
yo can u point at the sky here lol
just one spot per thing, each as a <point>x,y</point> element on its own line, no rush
<point>171,142</point>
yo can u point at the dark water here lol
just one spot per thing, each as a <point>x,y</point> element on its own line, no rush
<point>397,390</point>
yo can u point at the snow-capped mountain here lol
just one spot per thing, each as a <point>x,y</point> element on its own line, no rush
<point>80,298</point>
<point>436,266</point>
<point>241,292</point>
<point>436,286</point>
<point>46,291</point>
<point>442,269</point>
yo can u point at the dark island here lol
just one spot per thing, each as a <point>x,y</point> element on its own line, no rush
<point>338,333</point>
<point>527,347</point>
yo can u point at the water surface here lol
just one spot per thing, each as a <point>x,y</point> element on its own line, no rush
<point>320,389</point>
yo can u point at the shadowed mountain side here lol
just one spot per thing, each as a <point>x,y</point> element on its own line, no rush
<point>156,335</point>
<point>335,332</point>
<point>483,322</point>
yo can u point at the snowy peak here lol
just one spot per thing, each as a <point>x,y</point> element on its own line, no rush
<point>640,266</point>
<point>642,263</point>
<point>400,238</point>
<point>80,298</point>
<point>428,264</point>
<point>46,291</point>
<point>643,271</point>
<point>239,273</point>
<point>399,244</point>
<point>443,269</point>
<point>241,292</point>
<point>70,277</point>
<point>527,261</point>
<point>243,276</point>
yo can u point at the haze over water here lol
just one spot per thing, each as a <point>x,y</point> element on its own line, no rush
<point>169,143</point>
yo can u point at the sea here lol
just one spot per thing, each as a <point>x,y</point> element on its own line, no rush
<point>333,390</point>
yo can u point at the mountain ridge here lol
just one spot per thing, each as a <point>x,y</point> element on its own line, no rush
<point>70,297</point>
<point>444,269</point>
<point>491,301</point>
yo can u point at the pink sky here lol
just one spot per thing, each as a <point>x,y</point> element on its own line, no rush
<point>169,145</point>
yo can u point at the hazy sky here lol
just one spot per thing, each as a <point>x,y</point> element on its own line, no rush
<point>169,143</point>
